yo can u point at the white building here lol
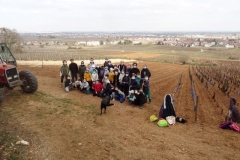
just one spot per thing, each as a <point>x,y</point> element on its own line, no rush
<point>93,43</point>
<point>229,46</point>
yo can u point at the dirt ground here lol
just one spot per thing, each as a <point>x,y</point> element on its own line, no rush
<point>67,126</point>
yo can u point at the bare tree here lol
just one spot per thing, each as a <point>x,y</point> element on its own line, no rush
<point>11,38</point>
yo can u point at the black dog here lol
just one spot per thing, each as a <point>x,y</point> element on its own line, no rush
<point>105,102</point>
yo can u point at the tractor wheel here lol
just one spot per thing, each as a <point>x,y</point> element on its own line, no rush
<point>30,83</point>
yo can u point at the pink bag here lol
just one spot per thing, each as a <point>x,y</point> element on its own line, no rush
<point>235,127</point>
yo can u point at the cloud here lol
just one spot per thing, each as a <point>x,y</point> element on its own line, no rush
<point>119,15</point>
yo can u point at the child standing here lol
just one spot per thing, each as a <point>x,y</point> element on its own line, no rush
<point>64,71</point>
<point>146,88</point>
<point>111,75</point>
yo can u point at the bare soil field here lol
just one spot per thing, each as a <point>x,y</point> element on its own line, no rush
<point>67,126</point>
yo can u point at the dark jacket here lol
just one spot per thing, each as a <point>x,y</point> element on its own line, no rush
<point>167,108</point>
<point>146,85</point>
<point>116,81</point>
<point>140,99</point>
<point>110,66</point>
<point>126,80</point>
<point>133,83</point>
<point>73,67</point>
<point>82,69</point>
<point>122,67</point>
<point>134,70</point>
<point>145,72</point>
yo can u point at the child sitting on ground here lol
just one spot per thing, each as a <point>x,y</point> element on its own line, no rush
<point>131,97</point>
<point>85,86</point>
<point>97,88</point>
<point>68,84</point>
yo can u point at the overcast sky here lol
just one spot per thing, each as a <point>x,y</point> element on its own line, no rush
<point>120,15</point>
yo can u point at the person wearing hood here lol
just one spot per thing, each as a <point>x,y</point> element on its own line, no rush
<point>64,71</point>
<point>81,70</point>
<point>145,72</point>
<point>73,67</point>
<point>106,71</point>
<point>167,108</point>
<point>134,70</point>
<point>94,75</point>
<point>93,68</point>
<point>122,67</point>
<point>140,98</point>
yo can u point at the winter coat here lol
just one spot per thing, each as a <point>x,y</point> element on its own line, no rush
<point>119,93</point>
<point>97,87</point>
<point>94,77</point>
<point>106,72</point>
<point>120,77</point>
<point>146,85</point>
<point>122,67</point>
<point>105,63</point>
<point>85,85</point>
<point>116,80</point>
<point>145,72</point>
<point>64,70</point>
<point>81,70</point>
<point>87,76</point>
<point>134,70</point>
<point>133,83</point>
<point>111,76</point>
<point>126,80</point>
<point>110,66</point>
<point>73,67</point>
<point>139,82</point>
<point>140,99</point>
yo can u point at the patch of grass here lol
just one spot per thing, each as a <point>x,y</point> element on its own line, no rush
<point>66,111</point>
<point>14,156</point>
<point>39,115</point>
<point>92,109</point>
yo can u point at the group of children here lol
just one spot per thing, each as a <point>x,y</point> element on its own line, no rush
<point>118,81</point>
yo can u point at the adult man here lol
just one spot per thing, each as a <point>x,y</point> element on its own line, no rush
<point>81,71</point>
<point>145,72</point>
<point>74,69</point>
<point>134,70</point>
<point>122,67</point>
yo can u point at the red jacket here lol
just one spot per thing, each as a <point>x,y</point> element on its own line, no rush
<point>97,87</point>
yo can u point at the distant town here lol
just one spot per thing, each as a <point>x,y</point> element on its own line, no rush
<point>227,40</point>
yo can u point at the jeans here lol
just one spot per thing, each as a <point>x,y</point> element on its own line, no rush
<point>120,98</point>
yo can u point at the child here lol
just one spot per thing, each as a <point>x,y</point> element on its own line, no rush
<point>146,88</point>
<point>120,78</point>
<point>139,81</point>
<point>97,88</point>
<point>88,78</point>
<point>64,71</point>
<point>119,95</point>
<point>68,84</point>
<point>111,75</point>
<point>85,87</point>
<point>131,97</point>
<point>140,98</point>
<point>94,75</point>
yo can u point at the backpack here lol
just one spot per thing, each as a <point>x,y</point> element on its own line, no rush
<point>162,123</point>
<point>235,127</point>
<point>225,125</point>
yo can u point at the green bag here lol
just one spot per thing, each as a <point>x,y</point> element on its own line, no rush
<point>162,123</point>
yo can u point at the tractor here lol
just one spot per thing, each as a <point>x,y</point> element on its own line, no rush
<point>9,76</point>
